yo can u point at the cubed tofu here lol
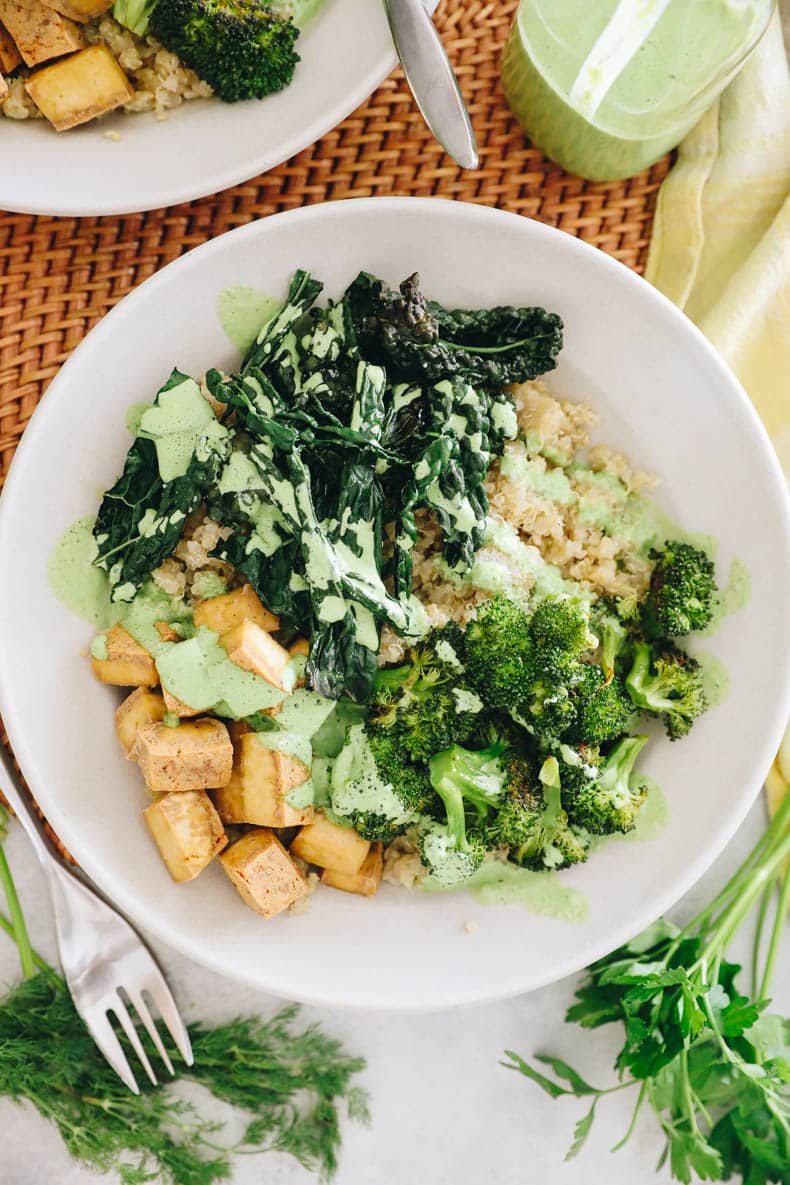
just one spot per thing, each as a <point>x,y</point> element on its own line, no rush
<point>79,88</point>
<point>40,33</point>
<point>260,780</point>
<point>80,10</point>
<point>187,830</point>
<point>263,873</point>
<point>222,614</point>
<point>10,57</point>
<point>138,709</point>
<point>331,846</point>
<point>177,708</point>
<point>238,729</point>
<point>167,633</point>
<point>127,664</point>
<point>251,648</point>
<point>366,881</point>
<point>194,756</point>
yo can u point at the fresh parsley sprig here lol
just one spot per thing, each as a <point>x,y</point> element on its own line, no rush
<point>712,1063</point>
<point>293,1085</point>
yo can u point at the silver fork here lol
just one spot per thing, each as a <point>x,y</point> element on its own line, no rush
<point>101,957</point>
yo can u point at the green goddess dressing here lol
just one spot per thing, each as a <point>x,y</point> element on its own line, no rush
<point>606,87</point>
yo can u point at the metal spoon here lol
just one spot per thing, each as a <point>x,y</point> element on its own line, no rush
<point>431,78</point>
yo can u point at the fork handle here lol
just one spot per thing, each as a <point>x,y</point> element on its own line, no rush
<point>33,828</point>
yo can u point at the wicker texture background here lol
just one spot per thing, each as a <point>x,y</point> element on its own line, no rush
<point>59,276</point>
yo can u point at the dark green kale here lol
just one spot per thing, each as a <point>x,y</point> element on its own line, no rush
<point>420,341</point>
<point>141,518</point>
<point>328,449</point>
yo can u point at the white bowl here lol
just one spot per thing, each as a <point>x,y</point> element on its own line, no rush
<point>665,399</point>
<point>206,146</point>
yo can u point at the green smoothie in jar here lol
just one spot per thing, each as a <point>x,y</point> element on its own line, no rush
<point>606,87</point>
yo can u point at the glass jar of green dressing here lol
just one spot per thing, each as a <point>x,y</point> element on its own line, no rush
<point>606,87</point>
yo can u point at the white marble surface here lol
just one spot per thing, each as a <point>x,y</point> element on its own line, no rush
<point>444,1111</point>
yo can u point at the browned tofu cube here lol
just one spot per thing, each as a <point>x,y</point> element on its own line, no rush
<point>194,756</point>
<point>366,881</point>
<point>40,33</point>
<point>79,88</point>
<point>222,614</point>
<point>251,648</point>
<point>187,830</point>
<point>10,57</point>
<point>177,708</point>
<point>260,781</point>
<point>238,729</point>
<point>140,708</point>
<point>331,846</point>
<point>127,664</point>
<point>79,10</point>
<point>264,874</point>
<point>166,632</point>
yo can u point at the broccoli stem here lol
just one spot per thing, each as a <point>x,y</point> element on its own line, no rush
<point>621,761</point>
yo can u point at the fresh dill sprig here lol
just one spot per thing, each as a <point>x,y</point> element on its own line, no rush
<point>293,1085</point>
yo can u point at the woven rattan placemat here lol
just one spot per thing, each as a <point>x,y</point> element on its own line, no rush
<point>59,276</point>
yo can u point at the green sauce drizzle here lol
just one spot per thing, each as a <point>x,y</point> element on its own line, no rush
<point>243,311</point>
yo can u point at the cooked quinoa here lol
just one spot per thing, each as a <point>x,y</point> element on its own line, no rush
<point>554,439</point>
<point>159,79</point>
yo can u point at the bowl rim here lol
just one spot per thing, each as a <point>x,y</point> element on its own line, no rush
<point>252,165</point>
<point>762,759</point>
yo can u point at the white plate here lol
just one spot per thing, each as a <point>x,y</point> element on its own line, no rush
<point>204,146</point>
<point>665,398</point>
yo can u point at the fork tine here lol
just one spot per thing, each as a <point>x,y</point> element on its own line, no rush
<point>104,1035</point>
<point>150,1027</point>
<point>166,1006</point>
<point>119,1010</point>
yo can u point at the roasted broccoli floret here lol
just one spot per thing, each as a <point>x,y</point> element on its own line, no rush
<point>613,637</point>
<point>667,682</point>
<point>470,782</point>
<point>240,47</point>
<point>499,653</point>
<point>375,786</point>
<point>514,822</point>
<point>448,864</point>
<point>603,709</point>
<point>682,588</point>
<point>133,14</point>
<point>544,838</point>
<point>427,702</point>
<point>559,634</point>
<point>601,794</point>
<point>560,629</point>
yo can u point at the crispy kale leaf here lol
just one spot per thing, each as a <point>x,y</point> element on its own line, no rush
<point>419,340</point>
<point>142,517</point>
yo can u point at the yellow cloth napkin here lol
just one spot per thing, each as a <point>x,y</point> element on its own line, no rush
<point>721,237</point>
<point>721,246</point>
